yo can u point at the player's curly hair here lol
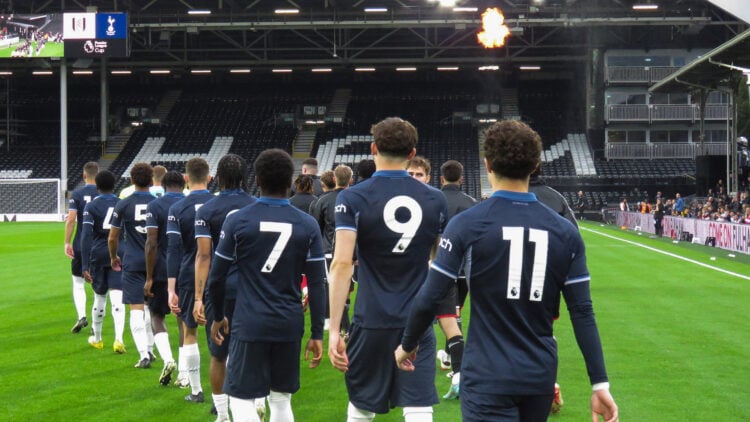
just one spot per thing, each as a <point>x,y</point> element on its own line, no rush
<point>232,172</point>
<point>173,179</point>
<point>394,137</point>
<point>105,181</point>
<point>140,174</point>
<point>274,169</point>
<point>512,148</point>
<point>303,184</point>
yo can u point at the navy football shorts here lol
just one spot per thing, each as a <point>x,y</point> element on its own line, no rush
<point>76,268</point>
<point>374,381</point>
<point>105,279</point>
<point>159,304</point>
<point>186,299</point>
<point>132,287</point>
<point>504,408</point>
<point>256,368</point>
<point>219,352</point>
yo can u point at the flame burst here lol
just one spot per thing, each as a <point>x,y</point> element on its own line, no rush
<point>494,32</point>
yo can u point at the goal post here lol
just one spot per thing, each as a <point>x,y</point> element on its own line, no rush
<point>31,200</point>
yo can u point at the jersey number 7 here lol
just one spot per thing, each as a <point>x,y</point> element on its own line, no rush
<point>285,233</point>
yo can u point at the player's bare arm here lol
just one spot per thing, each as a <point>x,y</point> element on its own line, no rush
<point>113,241</point>
<point>173,299</point>
<point>314,348</point>
<point>602,404</point>
<point>405,359</point>
<point>151,250</point>
<point>340,274</point>
<point>70,224</point>
<point>202,264</point>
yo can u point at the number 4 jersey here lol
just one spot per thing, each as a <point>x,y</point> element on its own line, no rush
<point>397,220</point>
<point>130,217</point>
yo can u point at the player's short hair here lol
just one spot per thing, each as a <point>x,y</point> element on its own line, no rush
<point>451,171</point>
<point>303,184</point>
<point>343,174</point>
<point>328,179</point>
<point>91,169</point>
<point>232,172</point>
<point>140,174</point>
<point>159,172</point>
<point>173,179</point>
<point>394,137</point>
<point>310,161</point>
<point>197,170</point>
<point>512,149</point>
<point>419,161</point>
<point>365,169</point>
<point>105,181</point>
<point>274,169</point>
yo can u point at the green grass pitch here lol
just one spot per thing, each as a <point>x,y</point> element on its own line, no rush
<point>675,336</point>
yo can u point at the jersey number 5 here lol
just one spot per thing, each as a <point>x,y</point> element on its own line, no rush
<point>406,229</point>
<point>540,238</point>
<point>285,233</point>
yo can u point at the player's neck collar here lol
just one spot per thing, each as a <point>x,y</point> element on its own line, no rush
<point>391,173</point>
<point>199,191</point>
<point>174,194</point>
<point>515,196</point>
<point>273,201</point>
<point>108,195</point>
<point>231,191</point>
<point>142,192</point>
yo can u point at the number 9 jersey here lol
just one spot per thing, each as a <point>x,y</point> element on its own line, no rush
<point>397,220</point>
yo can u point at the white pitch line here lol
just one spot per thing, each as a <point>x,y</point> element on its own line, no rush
<point>744,277</point>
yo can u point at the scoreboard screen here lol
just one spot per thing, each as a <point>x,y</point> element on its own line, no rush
<point>94,35</point>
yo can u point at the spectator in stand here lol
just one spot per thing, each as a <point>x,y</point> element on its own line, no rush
<point>658,216</point>
<point>624,206</point>
<point>679,204</point>
<point>711,204</point>
<point>668,204</point>
<point>581,205</point>
<point>645,207</point>
<point>746,220</point>
<point>303,197</point>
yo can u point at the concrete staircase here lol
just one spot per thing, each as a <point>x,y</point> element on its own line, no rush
<point>484,181</point>
<point>339,104</point>
<point>165,105</point>
<point>303,144</point>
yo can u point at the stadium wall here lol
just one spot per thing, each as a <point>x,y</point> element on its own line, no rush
<point>729,236</point>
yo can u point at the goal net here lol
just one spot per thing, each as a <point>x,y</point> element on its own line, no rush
<point>39,197</point>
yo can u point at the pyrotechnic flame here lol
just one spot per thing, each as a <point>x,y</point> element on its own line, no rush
<point>494,32</point>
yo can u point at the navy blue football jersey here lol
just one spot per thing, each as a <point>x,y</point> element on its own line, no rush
<point>77,201</point>
<point>181,231</point>
<point>273,244</point>
<point>397,220</point>
<point>519,256</point>
<point>96,223</point>
<point>209,219</point>
<point>157,214</point>
<point>130,217</point>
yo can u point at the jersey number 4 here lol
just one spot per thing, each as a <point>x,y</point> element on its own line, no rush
<point>285,233</point>
<point>540,238</point>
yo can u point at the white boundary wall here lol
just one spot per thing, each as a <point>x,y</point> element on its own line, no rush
<point>729,236</point>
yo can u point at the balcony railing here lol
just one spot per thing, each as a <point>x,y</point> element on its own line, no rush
<point>665,112</point>
<point>638,74</point>
<point>618,150</point>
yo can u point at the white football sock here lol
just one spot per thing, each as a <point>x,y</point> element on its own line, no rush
<point>221,402</point>
<point>418,414</point>
<point>118,313</point>
<point>79,295</point>
<point>149,330</point>
<point>193,364</point>
<point>181,364</point>
<point>162,345</point>
<point>353,414</point>
<point>243,410</point>
<point>97,315</point>
<point>138,329</point>
<point>280,405</point>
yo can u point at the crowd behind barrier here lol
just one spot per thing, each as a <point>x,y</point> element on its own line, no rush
<point>725,235</point>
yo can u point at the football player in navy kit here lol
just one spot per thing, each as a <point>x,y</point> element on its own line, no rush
<point>394,221</point>
<point>156,268</point>
<point>231,176</point>
<point>95,263</point>
<point>519,256</point>
<point>78,200</point>
<point>129,219</point>
<point>181,266</point>
<point>272,244</point>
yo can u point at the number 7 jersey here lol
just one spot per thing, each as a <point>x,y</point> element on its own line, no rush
<point>397,220</point>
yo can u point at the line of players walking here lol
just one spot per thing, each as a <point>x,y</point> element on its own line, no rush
<point>233,260</point>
